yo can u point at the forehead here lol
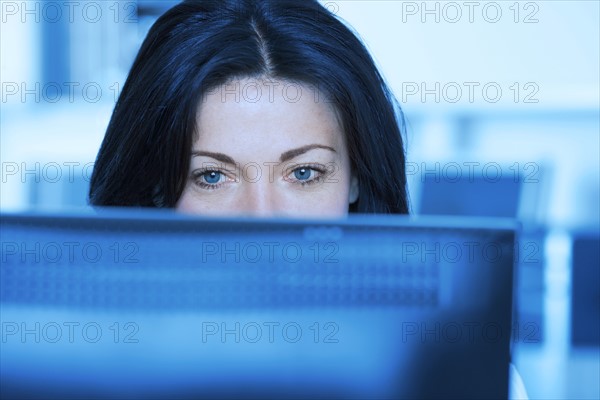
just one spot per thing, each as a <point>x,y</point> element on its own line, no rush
<point>277,114</point>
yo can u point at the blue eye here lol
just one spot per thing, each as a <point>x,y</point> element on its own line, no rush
<point>308,174</point>
<point>212,177</point>
<point>302,174</point>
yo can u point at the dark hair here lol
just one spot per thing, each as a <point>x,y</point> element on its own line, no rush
<point>199,45</point>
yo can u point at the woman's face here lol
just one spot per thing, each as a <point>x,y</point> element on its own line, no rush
<point>268,148</point>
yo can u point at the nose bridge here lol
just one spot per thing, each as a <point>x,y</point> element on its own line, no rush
<point>258,198</point>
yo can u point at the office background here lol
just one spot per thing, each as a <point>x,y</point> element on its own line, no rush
<point>502,107</point>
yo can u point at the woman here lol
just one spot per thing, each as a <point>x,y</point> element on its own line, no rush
<point>259,108</point>
<point>250,82</point>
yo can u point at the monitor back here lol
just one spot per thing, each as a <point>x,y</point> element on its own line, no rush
<point>152,305</point>
<point>470,196</point>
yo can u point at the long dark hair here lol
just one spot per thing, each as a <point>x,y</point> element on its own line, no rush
<point>199,45</point>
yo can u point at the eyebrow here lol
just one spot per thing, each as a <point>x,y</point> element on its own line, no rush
<point>288,155</point>
<point>217,156</point>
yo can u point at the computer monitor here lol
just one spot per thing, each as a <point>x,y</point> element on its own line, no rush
<point>585,300</point>
<point>149,304</point>
<point>468,196</point>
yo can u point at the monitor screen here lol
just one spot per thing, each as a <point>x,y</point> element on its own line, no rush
<point>470,196</point>
<point>585,301</point>
<point>153,304</point>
